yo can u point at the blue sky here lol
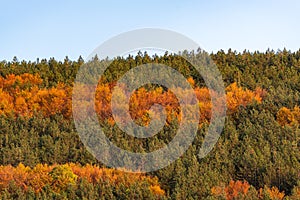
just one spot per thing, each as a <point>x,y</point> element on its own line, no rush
<point>44,29</point>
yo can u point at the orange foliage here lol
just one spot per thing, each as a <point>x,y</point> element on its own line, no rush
<point>18,174</point>
<point>237,96</point>
<point>59,176</point>
<point>142,100</point>
<point>191,81</point>
<point>234,190</point>
<point>24,96</point>
<point>6,102</point>
<point>275,194</point>
<point>241,190</point>
<point>286,116</point>
<point>217,191</point>
<point>39,177</point>
<point>157,190</point>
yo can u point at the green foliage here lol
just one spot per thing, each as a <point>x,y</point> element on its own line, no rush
<point>260,142</point>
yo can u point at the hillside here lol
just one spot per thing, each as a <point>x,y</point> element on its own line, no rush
<point>256,157</point>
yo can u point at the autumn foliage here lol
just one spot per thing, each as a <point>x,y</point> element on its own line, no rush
<point>256,156</point>
<point>241,190</point>
<point>233,190</point>
<point>274,193</point>
<point>59,177</point>
<point>23,95</point>
<point>287,116</point>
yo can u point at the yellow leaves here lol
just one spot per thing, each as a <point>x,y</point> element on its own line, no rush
<point>16,82</point>
<point>157,190</point>
<point>191,81</point>
<point>20,104</point>
<point>6,102</point>
<point>29,78</point>
<point>39,177</point>
<point>296,113</point>
<point>53,100</point>
<point>91,173</point>
<point>20,175</point>
<point>217,191</point>
<point>275,194</point>
<point>62,176</point>
<point>237,96</point>
<point>286,116</point>
<point>94,174</point>
<point>59,177</point>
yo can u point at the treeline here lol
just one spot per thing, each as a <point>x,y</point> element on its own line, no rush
<point>256,157</point>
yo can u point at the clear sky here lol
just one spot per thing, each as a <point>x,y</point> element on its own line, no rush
<point>59,28</point>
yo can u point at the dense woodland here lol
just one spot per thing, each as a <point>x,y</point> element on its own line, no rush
<point>256,157</point>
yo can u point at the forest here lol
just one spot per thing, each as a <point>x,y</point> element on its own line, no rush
<point>256,157</point>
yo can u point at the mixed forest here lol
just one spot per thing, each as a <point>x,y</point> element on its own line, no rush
<point>256,157</point>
